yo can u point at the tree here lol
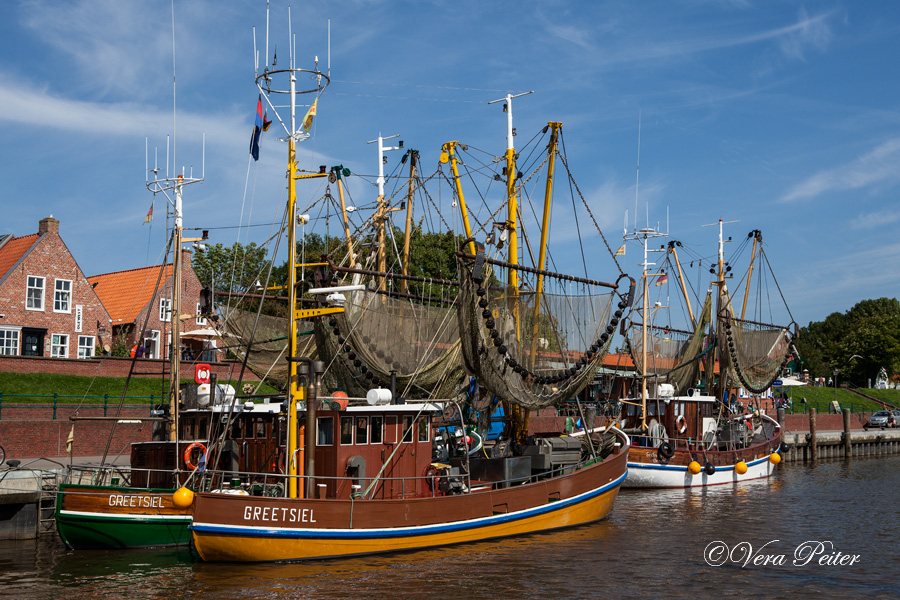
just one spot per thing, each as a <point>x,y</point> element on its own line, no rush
<point>857,343</point>
<point>234,269</point>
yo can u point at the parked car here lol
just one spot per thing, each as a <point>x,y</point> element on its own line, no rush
<point>883,418</point>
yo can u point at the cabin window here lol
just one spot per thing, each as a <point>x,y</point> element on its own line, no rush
<point>424,429</point>
<point>362,430</point>
<point>325,431</point>
<point>407,429</point>
<point>377,430</point>
<point>346,431</point>
<point>632,410</point>
<point>679,408</point>
<point>201,430</point>
<point>34,294</point>
<point>261,429</point>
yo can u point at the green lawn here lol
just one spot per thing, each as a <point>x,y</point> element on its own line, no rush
<point>40,387</point>
<point>821,398</point>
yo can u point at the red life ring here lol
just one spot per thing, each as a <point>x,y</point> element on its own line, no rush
<point>681,424</point>
<point>187,455</point>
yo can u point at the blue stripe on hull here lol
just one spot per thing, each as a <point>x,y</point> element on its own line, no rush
<point>684,468</point>
<point>407,531</point>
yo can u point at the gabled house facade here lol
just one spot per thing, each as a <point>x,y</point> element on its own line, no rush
<point>48,307</point>
<point>139,302</point>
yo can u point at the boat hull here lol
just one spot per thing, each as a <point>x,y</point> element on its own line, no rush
<point>658,475</point>
<point>89,516</point>
<point>249,529</point>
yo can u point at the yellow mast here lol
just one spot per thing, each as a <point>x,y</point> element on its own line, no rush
<point>520,417</point>
<point>449,155</point>
<point>545,229</point>
<point>297,392</point>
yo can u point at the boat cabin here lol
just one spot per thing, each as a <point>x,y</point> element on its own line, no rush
<point>390,445</point>
<point>692,416</point>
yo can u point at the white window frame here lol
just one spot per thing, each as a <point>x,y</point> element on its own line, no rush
<point>86,343</point>
<point>153,336</point>
<point>63,296</point>
<point>79,317</point>
<point>56,343</point>
<point>201,320</point>
<point>7,334</point>
<point>29,287</point>
<point>165,309</point>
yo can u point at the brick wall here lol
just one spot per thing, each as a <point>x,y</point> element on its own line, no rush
<point>50,259</point>
<point>110,366</point>
<point>28,431</point>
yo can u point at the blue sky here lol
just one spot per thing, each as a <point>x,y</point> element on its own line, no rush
<point>784,116</point>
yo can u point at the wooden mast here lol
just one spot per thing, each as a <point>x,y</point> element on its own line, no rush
<point>351,257</point>
<point>757,237</point>
<point>413,159</point>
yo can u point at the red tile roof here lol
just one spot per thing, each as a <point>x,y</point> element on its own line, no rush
<point>126,293</point>
<point>13,250</point>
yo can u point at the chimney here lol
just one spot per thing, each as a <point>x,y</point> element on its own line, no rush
<point>48,225</point>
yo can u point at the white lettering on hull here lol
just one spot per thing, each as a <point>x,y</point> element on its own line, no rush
<point>278,514</point>
<point>135,501</point>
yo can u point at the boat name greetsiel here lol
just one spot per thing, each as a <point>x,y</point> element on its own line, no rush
<point>288,515</point>
<point>142,501</point>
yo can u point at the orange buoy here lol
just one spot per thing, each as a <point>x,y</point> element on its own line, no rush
<point>183,497</point>
<point>741,468</point>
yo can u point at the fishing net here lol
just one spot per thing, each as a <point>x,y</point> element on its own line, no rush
<point>533,350</point>
<point>754,353</point>
<point>268,351</point>
<point>379,334</point>
<point>673,355</point>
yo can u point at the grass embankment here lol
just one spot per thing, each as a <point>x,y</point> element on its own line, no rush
<point>39,388</point>
<point>821,398</point>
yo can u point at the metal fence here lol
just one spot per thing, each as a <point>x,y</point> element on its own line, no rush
<point>57,400</point>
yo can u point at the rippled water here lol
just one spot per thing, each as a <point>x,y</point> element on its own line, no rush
<point>653,545</point>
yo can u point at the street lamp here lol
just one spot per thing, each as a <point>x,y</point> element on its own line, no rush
<point>835,384</point>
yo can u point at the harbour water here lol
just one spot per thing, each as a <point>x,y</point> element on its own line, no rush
<point>823,531</point>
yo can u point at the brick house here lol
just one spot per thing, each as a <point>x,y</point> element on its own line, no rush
<point>142,316</point>
<point>47,305</point>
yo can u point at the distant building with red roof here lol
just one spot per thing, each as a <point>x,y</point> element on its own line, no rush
<point>139,302</point>
<point>47,305</point>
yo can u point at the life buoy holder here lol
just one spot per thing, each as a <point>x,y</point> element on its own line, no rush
<point>666,451</point>
<point>681,424</point>
<point>188,463</point>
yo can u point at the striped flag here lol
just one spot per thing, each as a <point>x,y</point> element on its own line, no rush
<point>662,279</point>
<point>149,216</point>
<point>621,250</point>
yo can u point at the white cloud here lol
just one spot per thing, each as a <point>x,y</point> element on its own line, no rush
<point>881,165</point>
